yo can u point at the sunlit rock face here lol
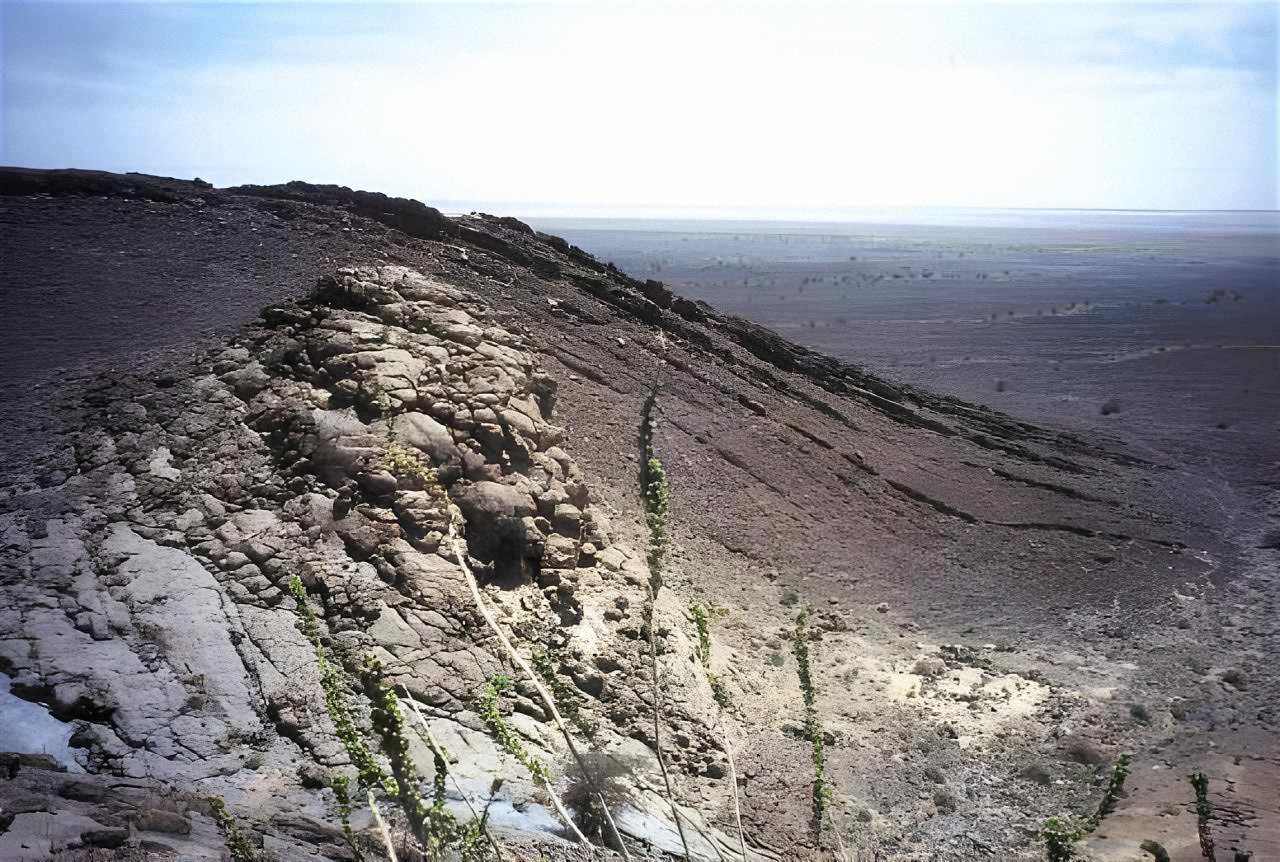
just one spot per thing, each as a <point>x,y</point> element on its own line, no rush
<point>172,654</point>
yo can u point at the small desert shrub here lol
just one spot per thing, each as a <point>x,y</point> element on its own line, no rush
<point>614,779</point>
<point>1037,774</point>
<point>1082,750</point>
<point>945,801</point>
<point>1236,679</point>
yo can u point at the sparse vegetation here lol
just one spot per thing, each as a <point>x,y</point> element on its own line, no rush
<point>1115,786</point>
<point>512,744</point>
<point>1204,813</point>
<point>433,827</point>
<point>407,462</point>
<point>334,684</point>
<point>703,625</point>
<point>720,692</point>
<point>613,782</point>
<point>502,731</point>
<point>567,697</point>
<point>654,488</point>
<point>1060,835</point>
<point>341,787</point>
<point>702,622</point>
<point>237,845</point>
<point>812,723</point>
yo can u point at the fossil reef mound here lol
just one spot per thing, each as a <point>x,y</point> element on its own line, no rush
<point>209,392</point>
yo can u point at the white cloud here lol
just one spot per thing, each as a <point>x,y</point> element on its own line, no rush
<point>764,106</point>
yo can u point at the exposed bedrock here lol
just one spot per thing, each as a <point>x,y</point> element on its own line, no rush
<point>155,614</point>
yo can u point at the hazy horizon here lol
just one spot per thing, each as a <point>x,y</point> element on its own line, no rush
<point>714,108</point>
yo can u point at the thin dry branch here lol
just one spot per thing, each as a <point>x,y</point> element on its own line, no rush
<point>438,750</point>
<point>657,723</point>
<point>733,780</point>
<point>382,827</point>
<point>548,701</point>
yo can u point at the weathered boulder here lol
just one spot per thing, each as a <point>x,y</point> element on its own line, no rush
<point>427,435</point>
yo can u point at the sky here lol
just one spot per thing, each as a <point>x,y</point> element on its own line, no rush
<point>601,108</point>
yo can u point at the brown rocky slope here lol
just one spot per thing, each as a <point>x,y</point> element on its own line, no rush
<point>1003,609</point>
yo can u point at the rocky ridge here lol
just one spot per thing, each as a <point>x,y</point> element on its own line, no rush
<point>148,539</point>
<point>173,643</point>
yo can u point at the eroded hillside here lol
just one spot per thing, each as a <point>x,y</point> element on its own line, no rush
<point>1000,610</point>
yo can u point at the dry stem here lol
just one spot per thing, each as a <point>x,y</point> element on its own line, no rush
<point>547,700</point>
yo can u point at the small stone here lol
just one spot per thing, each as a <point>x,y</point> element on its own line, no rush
<point>106,838</point>
<point>1236,679</point>
<point>159,820</point>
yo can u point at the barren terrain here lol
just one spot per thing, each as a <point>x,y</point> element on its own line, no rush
<point>1004,608</point>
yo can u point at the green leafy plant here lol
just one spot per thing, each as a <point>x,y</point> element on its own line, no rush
<point>659,547</point>
<point>237,845</point>
<point>702,623</point>
<point>475,832</point>
<point>719,690</point>
<point>511,743</point>
<point>502,732</point>
<point>701,619</point>
<point>822,795</point>
<point>333,682</point>
<point>433,826</point>
<point>341,787</point>
<point>1111,795</point>
<point>567,697</point>
<point>1060,835</point>
<point>1204,813</point>
<point>654,491</point>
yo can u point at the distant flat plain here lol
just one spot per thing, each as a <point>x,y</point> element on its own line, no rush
<point>1158,330</point>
